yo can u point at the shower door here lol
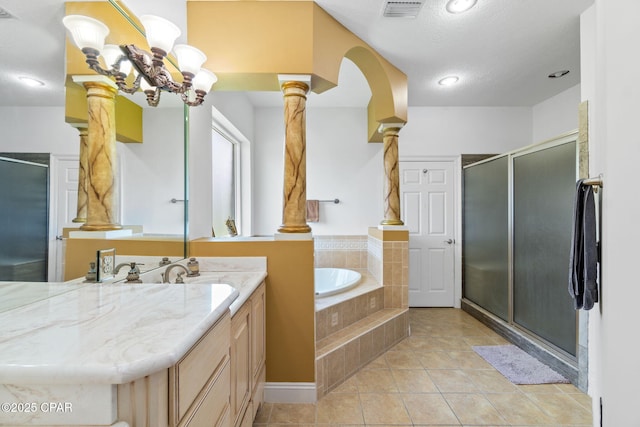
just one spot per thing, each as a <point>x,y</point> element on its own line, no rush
<point>517,221</point>
<point>543,191</point>
<point>24,214</point>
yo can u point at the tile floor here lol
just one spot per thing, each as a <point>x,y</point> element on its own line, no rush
<point>434,378</point>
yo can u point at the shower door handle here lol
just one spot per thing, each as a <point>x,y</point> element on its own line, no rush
<point>449,241</point>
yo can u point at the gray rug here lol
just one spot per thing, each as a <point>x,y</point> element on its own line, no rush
<point>518,366</point>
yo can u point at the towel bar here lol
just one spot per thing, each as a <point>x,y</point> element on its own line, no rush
<point>336,201</point>
<point>595,182</point>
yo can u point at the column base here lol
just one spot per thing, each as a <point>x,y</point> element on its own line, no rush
<point>292,236</point>
<point>391,222</point>
<point>294,229</point>
<point>100,227</point>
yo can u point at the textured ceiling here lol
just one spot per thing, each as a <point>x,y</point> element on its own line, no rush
<point>502,50</point>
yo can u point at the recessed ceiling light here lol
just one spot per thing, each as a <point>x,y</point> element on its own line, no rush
<point>448,81</point>
<point>558,74</point>
<point>30,81</point>
<point>459,6</point>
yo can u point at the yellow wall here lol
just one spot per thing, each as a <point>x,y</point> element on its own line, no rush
<point>80,252</point>
<point>290,302</point>
<point>257,40</point>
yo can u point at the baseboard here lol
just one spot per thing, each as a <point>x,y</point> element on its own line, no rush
<point>290,392</point>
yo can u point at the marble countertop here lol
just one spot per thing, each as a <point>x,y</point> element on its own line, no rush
<point>88,333</point>
<point>105,334</point>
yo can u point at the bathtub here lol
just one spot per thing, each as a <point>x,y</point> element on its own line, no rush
<point>330,281</point>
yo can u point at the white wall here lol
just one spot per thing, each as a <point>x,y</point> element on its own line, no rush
<point>450,131</point>
<point>615,90</point>
<point>236,108</point>
<point>37,130</point>
<point>340,164</point>
<point>153,173</point>
<point>556,115</point>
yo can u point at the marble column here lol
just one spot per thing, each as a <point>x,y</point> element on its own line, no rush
<point>391,175</point>
<point>101,154</point>
<point>81,215</point>
<point>294,210</point>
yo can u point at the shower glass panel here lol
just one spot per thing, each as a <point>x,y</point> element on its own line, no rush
<point>23,220</point>
<point>486,235</point>
<point>544,187</point>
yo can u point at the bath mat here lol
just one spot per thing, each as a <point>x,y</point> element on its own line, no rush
<point>517,366</point>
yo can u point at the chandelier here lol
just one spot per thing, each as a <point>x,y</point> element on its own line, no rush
<point>151,75</point>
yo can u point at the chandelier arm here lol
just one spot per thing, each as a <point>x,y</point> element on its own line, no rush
<point>122,85</point>
<point>153,97</point>
<point>200,94</point>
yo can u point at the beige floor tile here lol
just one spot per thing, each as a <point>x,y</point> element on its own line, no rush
<point>561,408</point>
<point>293,413</point>
<point>469,360</point>
<point>517,409</point>
<point>583,399</point>
<point>436,360</point>
<point>264,412</point>
<point>384,409</point>
<point>491,381</point>
<point>452,381</point>
<point>403,360</point>
<point>413,381</point>
<point>403,345</point>
<point>349,386</point>
<point>429,409</point>
<point>539,388</point>
<point>378,363</point>
<point>474,409</point>
<point>339,409</point>
<point>376,381</point>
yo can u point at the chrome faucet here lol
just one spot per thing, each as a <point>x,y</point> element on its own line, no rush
<point>134,273</point>
<point>165,275</point>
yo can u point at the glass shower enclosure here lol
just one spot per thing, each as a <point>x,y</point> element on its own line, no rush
<point>517,220</point>
<point>24,214</point>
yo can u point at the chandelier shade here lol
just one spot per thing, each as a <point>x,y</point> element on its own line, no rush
<point>161,33</point>
<point>190,59</point>
<point>204,80</point>
<point>151,75</point>
<point>86,32</point>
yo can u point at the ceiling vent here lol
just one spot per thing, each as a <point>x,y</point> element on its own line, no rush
<point>402,9</point>
<point>4,14</point>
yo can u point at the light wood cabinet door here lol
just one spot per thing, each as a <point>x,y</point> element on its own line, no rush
<point>258,328</point>
<point>240,362</point>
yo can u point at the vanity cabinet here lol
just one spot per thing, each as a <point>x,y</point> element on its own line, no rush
<point>192,393</point>
<point>248,359</point>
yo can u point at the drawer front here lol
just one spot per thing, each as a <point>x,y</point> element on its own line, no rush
<point>201,364</point>
<point>213,409</point>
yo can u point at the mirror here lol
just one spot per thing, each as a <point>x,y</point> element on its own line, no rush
<point>151,174</point>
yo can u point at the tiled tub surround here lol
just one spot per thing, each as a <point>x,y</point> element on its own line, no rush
<point>340,251</point>
<point>388,262</point>
<point>354,327</point>
<point>61,345</point>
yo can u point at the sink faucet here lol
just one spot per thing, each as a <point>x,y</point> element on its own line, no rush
<point>165,275</point>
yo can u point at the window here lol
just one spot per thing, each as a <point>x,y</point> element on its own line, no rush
<point>225,188</point>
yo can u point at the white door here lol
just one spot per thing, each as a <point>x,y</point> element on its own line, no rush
<point>64,210</point>
<point>427,205</point>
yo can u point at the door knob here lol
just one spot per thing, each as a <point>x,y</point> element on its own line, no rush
<point>449,241</point>
<point>58,237</point>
